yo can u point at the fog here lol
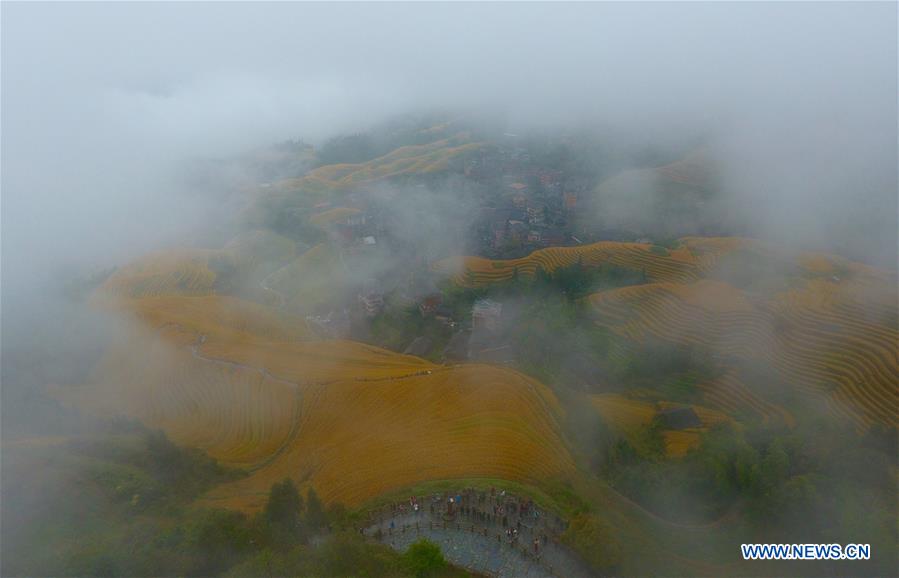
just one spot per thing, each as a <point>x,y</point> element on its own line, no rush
<point>108,109</point>
<point>101,101</point>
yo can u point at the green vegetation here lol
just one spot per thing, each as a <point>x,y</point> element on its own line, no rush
<point>547,322</point>
<point>400,323</point>
<point>594,541</point>
<point>121,505</point>
<point>783,482</point>
<point>351,148</point>
<point>423,558</point>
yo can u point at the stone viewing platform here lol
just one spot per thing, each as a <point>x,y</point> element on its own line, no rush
<point>487,531</point>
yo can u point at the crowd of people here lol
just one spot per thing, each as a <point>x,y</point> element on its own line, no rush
<point>513,521</point>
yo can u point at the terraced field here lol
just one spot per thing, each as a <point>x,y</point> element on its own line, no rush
<point>359,438</point>
<point>819,340</point>
<point>825,326</point>
<point>216,316</point>
<point>629,416</point>
<point>198,272</point>
<point>332,215</point>
<point>408,160</point>
<point>310,279</point>
<point>237,414</point>
<point>165,273</point>
<point>349,419</point>
<point>675,265</point>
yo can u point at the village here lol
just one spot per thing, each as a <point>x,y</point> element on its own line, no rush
<point>525,205</point>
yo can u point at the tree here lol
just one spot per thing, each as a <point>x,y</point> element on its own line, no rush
<point>593,539</point>
<point>423,557</point>
<point>315,511</point>
<point>285,505</point>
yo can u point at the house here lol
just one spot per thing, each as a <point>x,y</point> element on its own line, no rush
<point>553,237</point>
<point>536,215</point>
<point>444,315</point>
<point>373,303</point>
<point>570,201</point>
<point>429,304</point>
<point>486,314</point>
<point>520,200</point>
<point>549,178</point>
<point>357,220</point>
<point>678,418</point>
<point>518,231</point>
<point>533,236</point>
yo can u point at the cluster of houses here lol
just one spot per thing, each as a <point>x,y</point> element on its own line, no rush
<point>514,226</point>
<point>528,206</point>
<point>357,231</point>
<point>534,202</point>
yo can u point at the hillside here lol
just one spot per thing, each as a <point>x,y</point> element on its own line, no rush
<point>238,267</point>
<point>657,263</point>
<point>310,279</point>
<point>795,330</point>
<point>423,159</point>
<point>673,200</point>
<point>629,416</point>
<point>252,395</point>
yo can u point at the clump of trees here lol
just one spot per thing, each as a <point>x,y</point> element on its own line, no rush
<point>288,518</point>
<point>812,481</point>
<point>594,541</point>
<point>423,558</point>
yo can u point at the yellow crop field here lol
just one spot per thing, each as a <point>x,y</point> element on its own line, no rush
<point>628,416</point>
<point>623,414</point>
<point>732,396</point>
<point>261,246</point>
<point>414,159</point>
<point>679,442</point>
<point>216,316</point>
<point>332,215</point>
<point>349,419</point>
<point>825,325</point>
<point>195,271</point>
<point>237,414</point>
<point>676,265</point>
<point>820,337</point>
<point>185,272</point>
<point>310,279</point>
<point>359,439</point>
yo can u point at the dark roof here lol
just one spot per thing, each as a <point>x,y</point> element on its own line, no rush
<point>444,311</point>
<point>679,418</point>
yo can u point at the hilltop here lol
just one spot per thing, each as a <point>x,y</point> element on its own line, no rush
<point>227,377</point>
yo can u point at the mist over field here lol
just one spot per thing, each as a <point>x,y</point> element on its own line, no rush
<point>102,101</point>
<point>676,205</point>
